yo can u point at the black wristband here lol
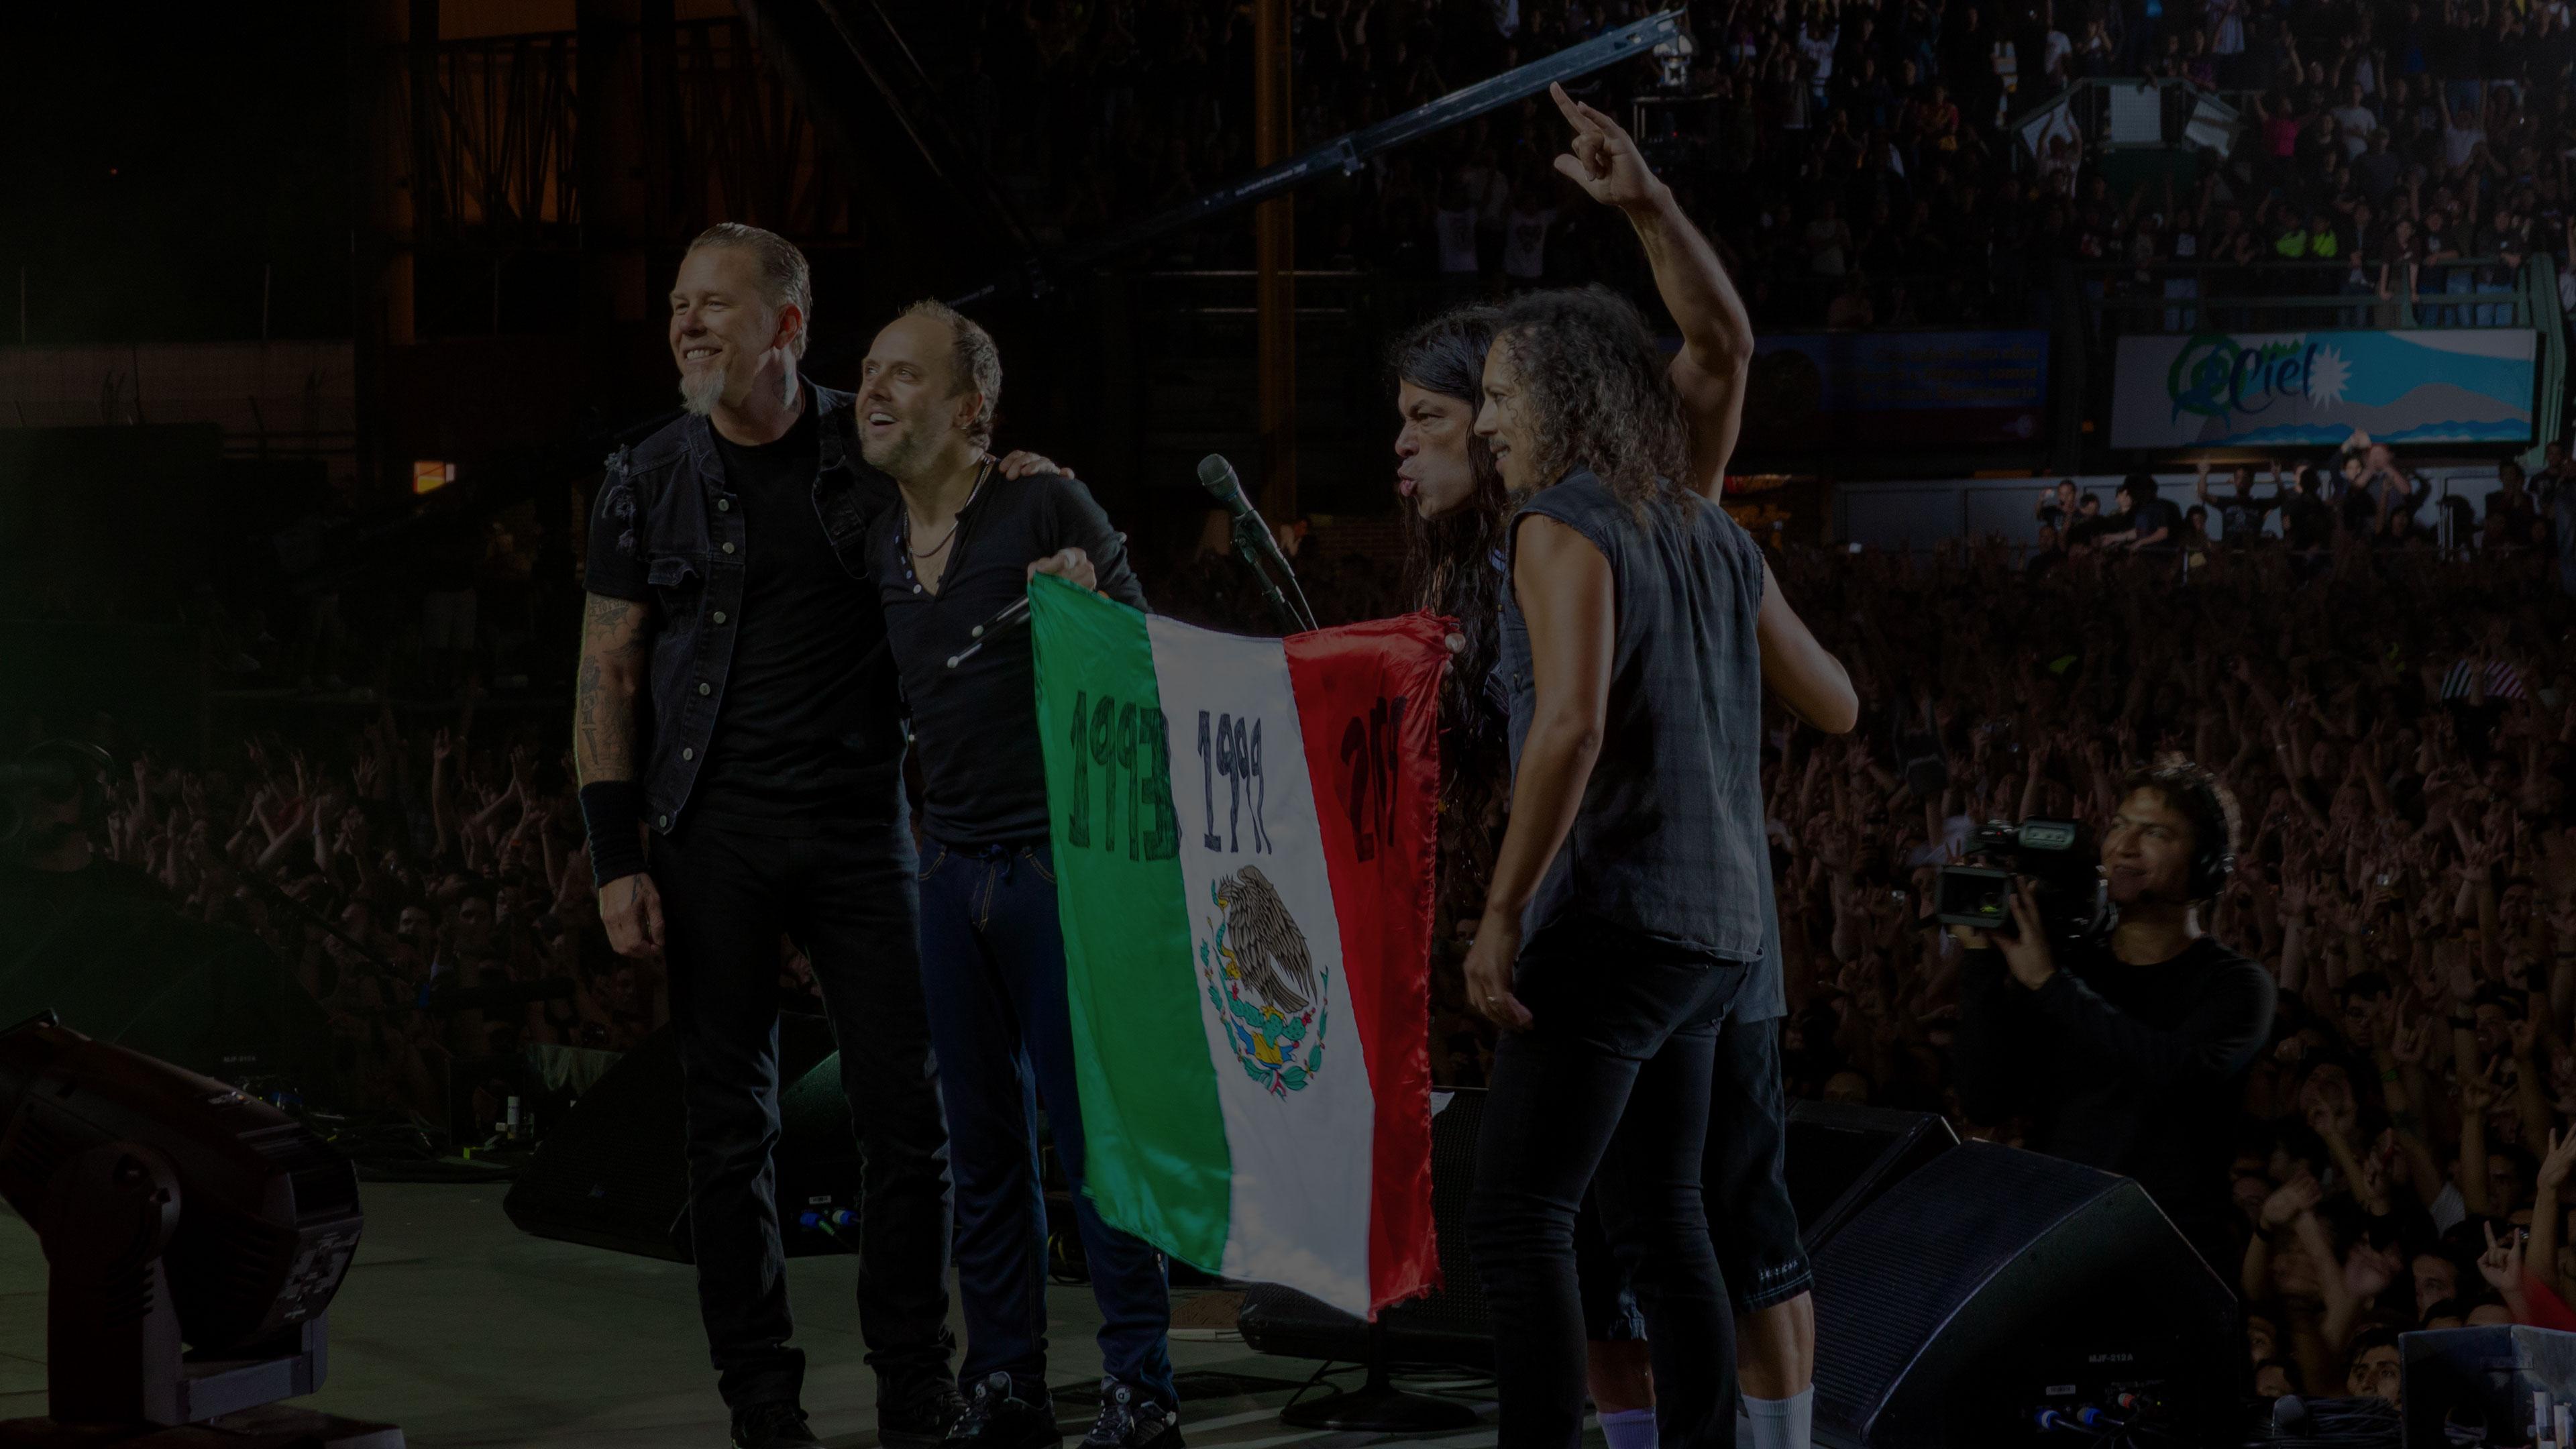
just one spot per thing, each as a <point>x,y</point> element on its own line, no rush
<point>612,813</point>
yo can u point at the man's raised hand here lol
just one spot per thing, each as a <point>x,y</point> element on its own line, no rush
<point>2561,1157</point>
<point>1603,159</point>
<point>2501,1263</point>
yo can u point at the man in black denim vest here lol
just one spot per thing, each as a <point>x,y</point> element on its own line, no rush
<point>740,741</point>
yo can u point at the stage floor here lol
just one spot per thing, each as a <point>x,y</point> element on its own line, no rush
<point>465,1331</point>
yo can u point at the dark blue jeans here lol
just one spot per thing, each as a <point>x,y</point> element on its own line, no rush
<point>992,967</point>
<point>1612,1078</point>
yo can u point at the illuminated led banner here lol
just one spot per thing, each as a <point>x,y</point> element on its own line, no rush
<point>2307,389</point>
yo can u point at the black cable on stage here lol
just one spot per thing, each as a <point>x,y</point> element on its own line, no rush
<point>1315,1378</point>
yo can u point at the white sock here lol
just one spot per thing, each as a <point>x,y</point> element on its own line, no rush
<point>1781,1423</point>
<point>1629,1429</point>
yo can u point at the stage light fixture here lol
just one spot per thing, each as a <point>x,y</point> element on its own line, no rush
<point>194,1236</point>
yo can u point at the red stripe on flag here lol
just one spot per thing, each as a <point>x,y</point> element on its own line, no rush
<point>1368,704</point>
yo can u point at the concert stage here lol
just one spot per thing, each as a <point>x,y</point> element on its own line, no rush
<point>466,1331</point>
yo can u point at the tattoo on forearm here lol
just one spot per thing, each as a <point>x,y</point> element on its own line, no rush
<point>603,719</point>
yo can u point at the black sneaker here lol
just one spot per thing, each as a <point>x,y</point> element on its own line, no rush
<point>776,1425</point>
<point>996,1417</point>
<point>916,1413</point>
<point>1129,1420</point>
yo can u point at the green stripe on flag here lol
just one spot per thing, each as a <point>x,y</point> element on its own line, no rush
<point>1155,1157</point>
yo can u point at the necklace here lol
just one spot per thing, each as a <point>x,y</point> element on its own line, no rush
<point>954,523</point>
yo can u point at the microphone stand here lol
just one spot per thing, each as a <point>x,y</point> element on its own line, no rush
<point>1254,542</point>
<point>1377,1406</point>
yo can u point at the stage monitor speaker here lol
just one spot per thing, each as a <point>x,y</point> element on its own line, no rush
<point>2476,1385</point>
<point>1992,1285</point>
<point>1842,1157</point>
<point>613,1172</point>
<point>1451,1327</point>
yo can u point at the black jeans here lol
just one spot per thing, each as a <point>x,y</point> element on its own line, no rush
<point>847,896</point>
<point>1744,1181</point>
<point>1612,1077</point>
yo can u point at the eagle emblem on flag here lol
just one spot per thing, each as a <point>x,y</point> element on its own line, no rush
<point>1266,986</point>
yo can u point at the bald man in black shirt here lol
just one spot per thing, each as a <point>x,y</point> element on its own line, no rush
<point>954,552</point>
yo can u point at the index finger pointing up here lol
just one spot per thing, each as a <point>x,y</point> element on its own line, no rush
<point>1581,117</point>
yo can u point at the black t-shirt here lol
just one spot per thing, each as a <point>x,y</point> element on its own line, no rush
<point>975,727</point>
<point>2305,522</point>
<point>2242,518</point>
<point>2135,1069</point>
<point>2518,513</point>
<point>2090,530</point>
<point>2377,172</point>
<point>811,714</point>
<point>2157,513</point>
<point>810,700</point>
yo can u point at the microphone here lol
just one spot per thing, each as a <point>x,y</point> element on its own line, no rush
<point>1216,475</point>
<point>1253,538</point>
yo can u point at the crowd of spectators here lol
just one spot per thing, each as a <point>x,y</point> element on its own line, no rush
<point>381,867</point>
<point>383,863</point>
<point>2363,494</point>
<point>1852,156</point>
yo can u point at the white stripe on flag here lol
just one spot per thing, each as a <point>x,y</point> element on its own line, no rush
<point>1302,1143</point>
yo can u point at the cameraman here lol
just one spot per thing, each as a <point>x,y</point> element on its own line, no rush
<point>2131,1055</point>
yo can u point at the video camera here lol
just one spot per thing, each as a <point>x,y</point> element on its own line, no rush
<point>2057,857</point>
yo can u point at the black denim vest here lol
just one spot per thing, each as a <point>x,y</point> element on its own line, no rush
<point>673,510</point>
<point>1668,841</point>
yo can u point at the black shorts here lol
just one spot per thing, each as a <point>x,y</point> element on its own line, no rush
<point>1751,1221</point>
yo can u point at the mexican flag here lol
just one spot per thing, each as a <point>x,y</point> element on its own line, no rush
<point>1244,853</point>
